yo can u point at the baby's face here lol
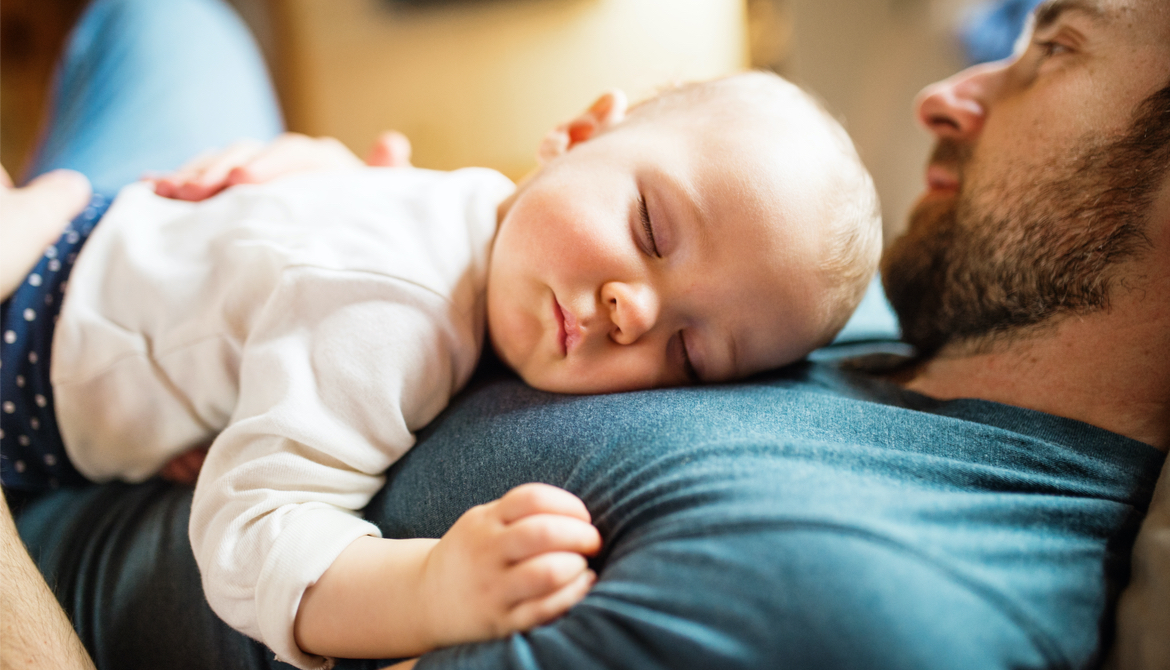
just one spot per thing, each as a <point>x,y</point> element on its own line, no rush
<point>660,254</point>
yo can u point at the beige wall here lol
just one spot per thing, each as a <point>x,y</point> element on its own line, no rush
<point>868,59</point>
<point>479,83</point>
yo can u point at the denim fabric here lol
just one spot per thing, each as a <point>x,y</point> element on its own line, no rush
<point>145,85</point>
<point>809,519</point>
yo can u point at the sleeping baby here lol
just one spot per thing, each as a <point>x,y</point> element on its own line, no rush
<point>306,328</point>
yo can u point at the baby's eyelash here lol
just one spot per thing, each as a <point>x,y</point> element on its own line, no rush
<point>646,226</point>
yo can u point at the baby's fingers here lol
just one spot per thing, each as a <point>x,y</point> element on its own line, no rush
<point>542,533</point>
<point>292,153</point>
<point>207,174</point>
<point>542,575</point>
<point>541,610</point>
<point>538,498</point>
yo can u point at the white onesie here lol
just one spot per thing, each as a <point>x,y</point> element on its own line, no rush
<point>308,327</point>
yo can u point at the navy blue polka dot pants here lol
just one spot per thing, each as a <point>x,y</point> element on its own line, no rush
<point>32,455</point>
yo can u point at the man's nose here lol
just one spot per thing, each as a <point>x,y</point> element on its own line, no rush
<point>633,309</point>
<point>956,108</point>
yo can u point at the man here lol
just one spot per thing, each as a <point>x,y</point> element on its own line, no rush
<point>819,517</point>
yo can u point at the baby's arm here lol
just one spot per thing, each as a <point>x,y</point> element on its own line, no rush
<point>505,566</point>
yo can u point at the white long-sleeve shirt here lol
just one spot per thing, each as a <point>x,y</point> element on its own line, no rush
<point>308,327</point>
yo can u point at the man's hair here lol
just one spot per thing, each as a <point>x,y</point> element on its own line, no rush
<point>853,220</point>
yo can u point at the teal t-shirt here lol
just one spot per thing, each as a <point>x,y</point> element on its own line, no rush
<point>816,519</point>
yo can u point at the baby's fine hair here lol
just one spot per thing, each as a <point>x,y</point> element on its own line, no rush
<point>853,220</point>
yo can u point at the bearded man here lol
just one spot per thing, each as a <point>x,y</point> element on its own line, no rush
<point>974,509</point>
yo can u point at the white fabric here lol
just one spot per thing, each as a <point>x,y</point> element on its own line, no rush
<point>312,324</point>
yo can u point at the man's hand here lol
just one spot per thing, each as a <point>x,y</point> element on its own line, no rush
<point>32,218</point>
<point>509,565</point>
<point>251,162</point>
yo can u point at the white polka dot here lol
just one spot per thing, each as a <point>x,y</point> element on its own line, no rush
<point>50,460</point>
<point>10,336</point>
<point>71,258</point>
<point>23,440</point>
<point>30,314</point>
<point>48,298</point>
<point>34,279</point>
<point>20,381</point>
<point>54,265</point>
<point>32,357</point>
<point>51,252</point>
<point>35,423</point>
<point>40,399</point>
<point>72,238</point>
<point>89,212</point>
<point>9,407</point>
<point>19,465</point>
<point>64,285</point>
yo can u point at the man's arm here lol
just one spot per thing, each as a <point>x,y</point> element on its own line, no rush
<point>34,631</point>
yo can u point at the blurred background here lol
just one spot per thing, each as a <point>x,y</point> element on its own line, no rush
<point>478,82</point>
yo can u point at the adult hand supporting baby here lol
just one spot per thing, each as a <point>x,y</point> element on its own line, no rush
<point>505,566</point>
<point>33,217</point>
<point>252,162</point>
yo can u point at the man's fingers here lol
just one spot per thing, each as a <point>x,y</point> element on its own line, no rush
<point>391,149</point>
<point>541,610</point>
<point>538,498</point>
<point>540,533</point>
<point>5,180</point>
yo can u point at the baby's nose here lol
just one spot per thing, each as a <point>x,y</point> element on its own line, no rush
<point>633,309</point>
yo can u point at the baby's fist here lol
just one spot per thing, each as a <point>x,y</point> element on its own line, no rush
<point>509,565</point>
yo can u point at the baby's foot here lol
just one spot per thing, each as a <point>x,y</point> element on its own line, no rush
<point>509,565</point>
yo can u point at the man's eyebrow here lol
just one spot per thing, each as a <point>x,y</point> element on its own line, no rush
<point>1050,10</point>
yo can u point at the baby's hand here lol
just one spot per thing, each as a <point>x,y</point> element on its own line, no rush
<point>251,162</point>
<point>509,565</point>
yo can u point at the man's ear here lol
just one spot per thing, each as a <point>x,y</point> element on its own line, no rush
<point>606,112</point>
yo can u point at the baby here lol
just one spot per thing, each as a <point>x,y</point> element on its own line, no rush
<point>307,327</point>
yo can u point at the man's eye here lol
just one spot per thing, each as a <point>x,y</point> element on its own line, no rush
<point>1050,49</point>
<point>647,226</point>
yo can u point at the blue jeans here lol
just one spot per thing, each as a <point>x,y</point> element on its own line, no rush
<point>145,85</point>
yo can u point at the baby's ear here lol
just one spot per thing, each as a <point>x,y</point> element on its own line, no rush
<point>606,112</point>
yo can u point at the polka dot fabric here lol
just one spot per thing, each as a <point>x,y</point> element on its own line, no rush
<point>32,455</point>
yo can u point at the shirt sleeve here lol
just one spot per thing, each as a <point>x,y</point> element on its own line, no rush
<point>339,371</point>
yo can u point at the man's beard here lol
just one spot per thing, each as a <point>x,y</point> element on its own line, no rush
<point>975,272</point>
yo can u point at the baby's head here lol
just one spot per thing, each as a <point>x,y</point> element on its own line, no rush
<point>716,230</point>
